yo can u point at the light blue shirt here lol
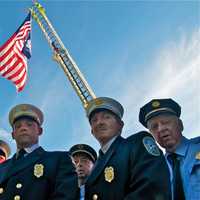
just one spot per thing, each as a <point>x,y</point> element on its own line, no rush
<point>82,192</point>
<point>188,152</point>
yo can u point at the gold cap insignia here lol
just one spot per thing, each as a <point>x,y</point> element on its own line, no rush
<point>98,102</point>
<point>38,170</point>
<point>155,104</point>
<point>197,156</point>
<point>109,174</point>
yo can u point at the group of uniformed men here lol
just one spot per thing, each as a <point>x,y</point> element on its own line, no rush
<point>126,169</point>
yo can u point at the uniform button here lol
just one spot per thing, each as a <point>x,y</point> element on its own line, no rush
<point>19,185</point>
<point>1,190</point>
<point>17,197</point>
<point>94,197</point>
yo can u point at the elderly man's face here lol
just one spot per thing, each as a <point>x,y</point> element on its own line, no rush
<point>167,130</point>
<point>83,165</point>
<point>105,126</point>
<point>26,132</point>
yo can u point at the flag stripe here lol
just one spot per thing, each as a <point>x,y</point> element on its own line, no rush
<point>17,76</point>
<point>13,73</point>
<point>7,59</point>
<point>11,68</point>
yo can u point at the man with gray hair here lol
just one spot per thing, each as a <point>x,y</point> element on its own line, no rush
<point>162,118</point>
<point>126,169</point>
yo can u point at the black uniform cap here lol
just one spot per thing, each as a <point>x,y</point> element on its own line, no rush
<point>157,107</point>
<point>84,148</point>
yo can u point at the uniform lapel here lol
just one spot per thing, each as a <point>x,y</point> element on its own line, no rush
<point>101,163</point>
<point>18,165</point>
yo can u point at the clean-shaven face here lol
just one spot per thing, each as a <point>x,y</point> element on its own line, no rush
<point>26,132</point>
<point>167,130</point>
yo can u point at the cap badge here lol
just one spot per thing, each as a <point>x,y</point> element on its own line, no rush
<point>197,156</point>
<point>109,174</point>
<point>23,107</point>
<point>98,102</point>
<point>155,104</point>
<point>38,170</point>
<point>151,146</point>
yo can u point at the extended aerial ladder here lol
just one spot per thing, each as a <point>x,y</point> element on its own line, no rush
<point>62,56</point>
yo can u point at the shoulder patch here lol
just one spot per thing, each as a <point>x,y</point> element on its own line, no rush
<point>151,146</point>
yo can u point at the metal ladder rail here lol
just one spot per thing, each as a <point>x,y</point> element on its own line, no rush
<point>62,56</point>
<point>76,78</point>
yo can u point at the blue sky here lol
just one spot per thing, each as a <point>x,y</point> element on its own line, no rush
<point>129,50</point>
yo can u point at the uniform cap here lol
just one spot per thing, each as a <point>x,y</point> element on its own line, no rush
<point>25,110</point>
<point>105,103</point>
<point>5,148</point>
<point>84,148</point>
<point>157,107</point>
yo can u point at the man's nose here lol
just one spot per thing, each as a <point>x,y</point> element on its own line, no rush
<point>23,126</point>
<point>161,127</point>
<point>99,121</point>
<point>78,163</point>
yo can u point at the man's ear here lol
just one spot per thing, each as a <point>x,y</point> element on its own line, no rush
<point>181,125</point>
<point>122,123</point>
<point>40,130</point>
<point>92,132</point>
<point>13,135</point>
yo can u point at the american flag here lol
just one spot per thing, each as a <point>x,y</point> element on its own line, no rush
<point>14,54</point>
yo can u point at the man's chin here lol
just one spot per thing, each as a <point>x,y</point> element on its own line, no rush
<point>81,176</point>
<point>25,144</point>
<point>170,147</point>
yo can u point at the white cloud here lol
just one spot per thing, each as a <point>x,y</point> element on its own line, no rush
<point>5,135</point>
<point>173,73</point>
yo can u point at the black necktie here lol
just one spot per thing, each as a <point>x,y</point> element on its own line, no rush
<point>177,180</point>
<point>20,154</point>
<point>101,154</point>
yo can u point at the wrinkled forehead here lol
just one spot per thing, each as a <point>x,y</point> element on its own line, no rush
<point>161,117</point>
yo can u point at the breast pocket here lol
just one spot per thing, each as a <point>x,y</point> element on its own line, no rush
<point>195,177</point>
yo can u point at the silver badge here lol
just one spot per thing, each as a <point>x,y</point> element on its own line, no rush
<point>151,146</point>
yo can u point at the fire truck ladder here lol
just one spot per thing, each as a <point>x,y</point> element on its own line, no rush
<point>62,56</point>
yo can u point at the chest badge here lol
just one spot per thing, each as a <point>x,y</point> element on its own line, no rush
<point>197,156</point>
<point>38,170</point>
<point>109,174</point>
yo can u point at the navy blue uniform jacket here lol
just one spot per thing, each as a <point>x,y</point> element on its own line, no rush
<point>41,175</point>
<point>129,172</point>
